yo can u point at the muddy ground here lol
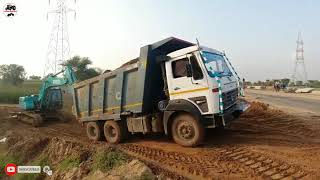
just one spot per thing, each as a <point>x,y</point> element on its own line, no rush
<point>265,143</point>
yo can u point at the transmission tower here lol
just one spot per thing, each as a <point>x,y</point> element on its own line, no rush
<point>299,72</point>
<point>58,48</point>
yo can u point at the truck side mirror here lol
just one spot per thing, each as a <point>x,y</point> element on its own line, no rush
<point>189,70</point>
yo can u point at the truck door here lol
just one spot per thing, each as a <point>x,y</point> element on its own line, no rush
<point>183,86</point>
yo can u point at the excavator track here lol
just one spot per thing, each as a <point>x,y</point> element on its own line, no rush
<point>30,118</point>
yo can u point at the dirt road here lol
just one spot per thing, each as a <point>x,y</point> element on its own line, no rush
<point>264,144</point>
<point>296,102</point>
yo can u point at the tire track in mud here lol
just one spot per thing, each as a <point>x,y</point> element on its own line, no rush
<point>180,163</point>
<point>263,165</point>
<point>221,161</point>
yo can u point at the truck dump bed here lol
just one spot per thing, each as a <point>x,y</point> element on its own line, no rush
<point>133,88</point>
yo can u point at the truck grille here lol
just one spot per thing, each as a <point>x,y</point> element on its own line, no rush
<point>229,98</point>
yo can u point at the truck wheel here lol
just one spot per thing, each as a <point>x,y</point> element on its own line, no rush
<point>113,132</point>
<point>187,130</point>
<point>93,131</point>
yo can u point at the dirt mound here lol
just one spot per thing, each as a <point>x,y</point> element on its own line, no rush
<point>259,109</point>
<point>58,149</point>
<point>70,159</point>
<point>133,170</point>
<point>265,119</point>
<point>25,148</point>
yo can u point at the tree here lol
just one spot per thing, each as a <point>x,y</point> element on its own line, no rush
<point>285,81</point>
<point>269,82</point>
<point>314,83</point>
<point>12,73</point>
<point>248,83</point>
<point>82,70</point>
<point>33,77</point>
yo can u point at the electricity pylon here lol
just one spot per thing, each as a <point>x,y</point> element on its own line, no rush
<point>59,46</point>
<point>299,71</point>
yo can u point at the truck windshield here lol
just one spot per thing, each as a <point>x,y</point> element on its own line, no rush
<point>215,64</point>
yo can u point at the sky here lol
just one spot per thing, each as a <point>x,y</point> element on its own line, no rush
<point>259,37</point>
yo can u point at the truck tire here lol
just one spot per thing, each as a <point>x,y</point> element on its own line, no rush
<point>114,132</point>
<point>94,131</point>
<point>187,130</point>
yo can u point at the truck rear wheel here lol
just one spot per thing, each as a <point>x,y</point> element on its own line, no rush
<point>187,130</point>
<point>113,132</point>
<point>94,131</point>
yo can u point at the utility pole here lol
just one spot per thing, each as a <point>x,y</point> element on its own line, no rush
<point>59,47</point>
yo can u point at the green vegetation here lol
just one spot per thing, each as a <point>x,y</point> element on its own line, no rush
<point>314,84</point>
<point>33,77</point>
<point>42,161</point>
<point>107,160</point>
<point>70,162</point>
<point>11,93</point>
<point>12,74</point>
<point>6,159</point>
<point>18,158</point>
<point>82,71</point>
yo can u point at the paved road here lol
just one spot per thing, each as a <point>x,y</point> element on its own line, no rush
<point>289,101</point>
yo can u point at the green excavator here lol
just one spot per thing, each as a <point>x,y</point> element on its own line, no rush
<point>49,102</point>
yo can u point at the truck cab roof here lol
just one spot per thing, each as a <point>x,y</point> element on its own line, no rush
<point>190,49</point>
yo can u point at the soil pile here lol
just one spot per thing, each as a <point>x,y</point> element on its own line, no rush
<point>70,160</point>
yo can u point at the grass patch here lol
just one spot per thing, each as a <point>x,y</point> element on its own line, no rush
<point>6,159</point>
<point>107,160</point>
<point>42,161</point>
<point>70,162</point>
<point>10,93</point>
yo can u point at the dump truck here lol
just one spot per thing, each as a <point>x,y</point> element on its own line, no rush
<point>174,87</point>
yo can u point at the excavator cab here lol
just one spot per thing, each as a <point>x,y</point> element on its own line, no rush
<point>53,99</point>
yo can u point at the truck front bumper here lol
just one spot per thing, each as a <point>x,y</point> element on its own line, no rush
<point>228,115</point>
<point>234,112</point>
